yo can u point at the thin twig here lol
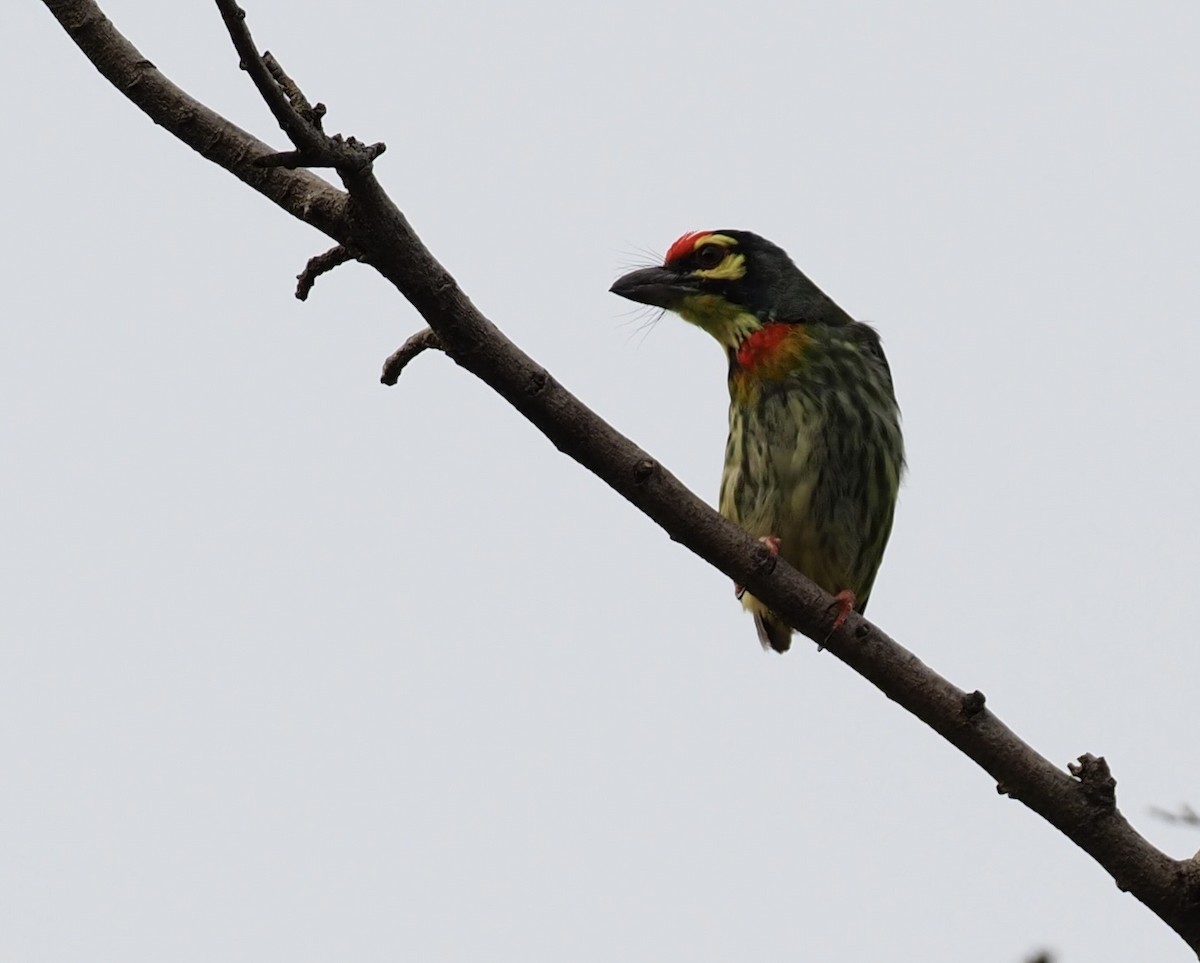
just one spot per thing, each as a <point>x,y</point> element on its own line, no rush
<point>424,340</point>
<point>318,265</point>
<point>312,115</point>
<point>1186,816</point>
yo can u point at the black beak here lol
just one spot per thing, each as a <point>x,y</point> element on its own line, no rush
<point>658,286</point>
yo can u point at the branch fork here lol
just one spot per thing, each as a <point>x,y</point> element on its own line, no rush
<point>299,119</point>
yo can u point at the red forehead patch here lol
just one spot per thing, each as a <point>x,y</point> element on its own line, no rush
<point>685,245</point>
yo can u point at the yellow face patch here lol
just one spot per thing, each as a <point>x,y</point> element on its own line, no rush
<point>731,267</point>
<point>726,322</point>
<point>724,240</point>
<point>712,257</point>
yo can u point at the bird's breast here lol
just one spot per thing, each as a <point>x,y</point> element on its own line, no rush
<point>771,462</point>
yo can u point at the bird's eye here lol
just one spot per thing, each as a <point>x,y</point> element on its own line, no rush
<point>710,256</point>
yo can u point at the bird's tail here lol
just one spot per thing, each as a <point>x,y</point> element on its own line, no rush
<point>773,633</point>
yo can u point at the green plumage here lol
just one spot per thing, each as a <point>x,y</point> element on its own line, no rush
<point>815,454</point>
<point>814,457</point>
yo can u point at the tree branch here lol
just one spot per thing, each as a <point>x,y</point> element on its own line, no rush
<point>364,219</point>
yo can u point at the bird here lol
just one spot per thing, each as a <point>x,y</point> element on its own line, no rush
<point>815,454</point>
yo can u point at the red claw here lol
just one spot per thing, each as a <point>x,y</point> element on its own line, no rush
<point>772,543</point>
<point>844,603</point>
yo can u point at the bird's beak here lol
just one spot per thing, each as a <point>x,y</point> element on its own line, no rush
<point>658,286</point>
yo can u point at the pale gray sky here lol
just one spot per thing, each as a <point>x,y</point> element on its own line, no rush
<point>296,667</point>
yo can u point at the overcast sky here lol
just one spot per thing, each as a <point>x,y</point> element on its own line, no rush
<point>298,667</point>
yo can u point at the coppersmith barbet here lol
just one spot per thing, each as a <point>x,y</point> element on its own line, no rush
<point>815,454</point>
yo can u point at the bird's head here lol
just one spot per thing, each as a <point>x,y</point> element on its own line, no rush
<point>730,283</point>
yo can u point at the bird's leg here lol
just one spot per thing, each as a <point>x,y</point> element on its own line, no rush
<point>843,604</point>
<point>772,543</point>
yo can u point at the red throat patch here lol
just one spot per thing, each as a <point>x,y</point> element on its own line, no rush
<point>685,245</point>
<point>762,344</point>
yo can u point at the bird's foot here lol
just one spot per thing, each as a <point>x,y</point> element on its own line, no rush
<point>843,605</point>
<point>772,543</point>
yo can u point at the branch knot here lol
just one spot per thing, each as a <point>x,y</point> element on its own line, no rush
<point>537,383</point>
<point>1096,781</point>
<point>973,703</point>
<point>644,470</point>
